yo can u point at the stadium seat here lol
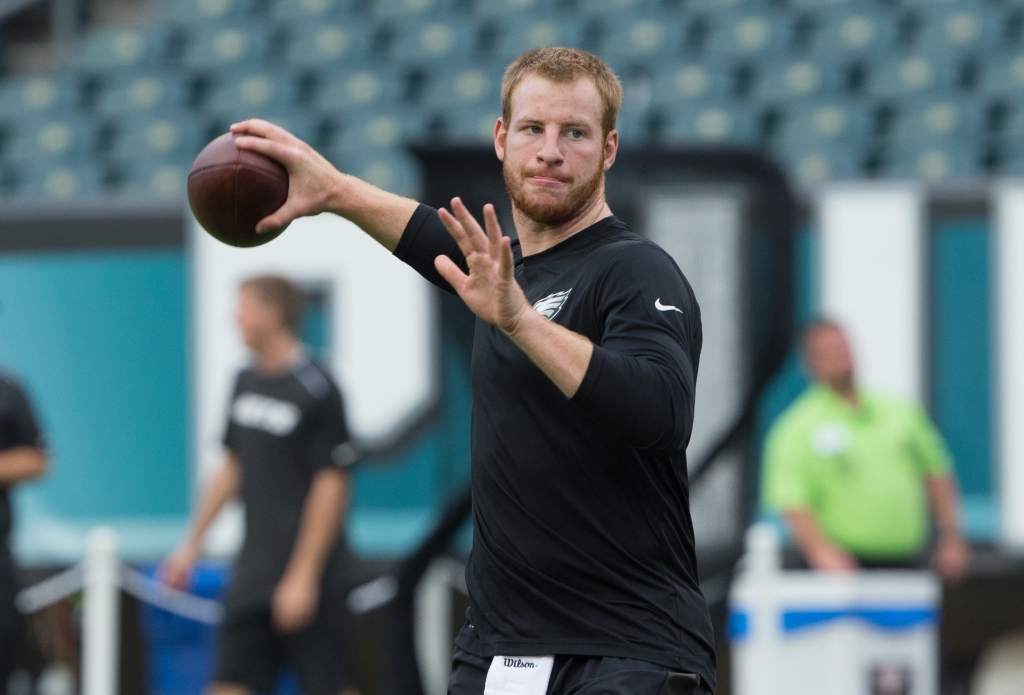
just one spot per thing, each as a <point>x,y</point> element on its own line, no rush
<point>709,124</point>
<point>254,91</point>
<point>803,79</point>
<point>747,34</point>
<point>139,93</point>
<point>1013,127</point>
<point>471,126</point>
<point>816,163</point>
<point>857,31</point>
<point>393,169</point>
<point>205,12</point>
<point>504,8</point>
<point>59,181</point>
<point>911,75</point>
<point>149,178</point>
<point>38,96</point>
<point>466,88</point>
<point>167,136</point>
<point>1002,75</point>
<point>49,139</point>
<point>957,29</point>
<point>637,127</point>
<point>368,131</point>
<point>361,90</point>
<point>818,125</point>
<point>932,160</point>
<point>677,83</point>
<point>312,10</point>
<point>520,34</point>
<point>938,119</point>
<point>128,48</point>
<point>404,9</point>
<point>220,47</point>
<point>635,36</point>
<point>436,40</point>
<point>315,43</point>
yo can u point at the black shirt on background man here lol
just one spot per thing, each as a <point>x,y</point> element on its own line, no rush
<point>583,543</point>
<point>282,429</point>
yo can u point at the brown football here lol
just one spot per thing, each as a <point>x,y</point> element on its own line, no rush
<point>230,190</point>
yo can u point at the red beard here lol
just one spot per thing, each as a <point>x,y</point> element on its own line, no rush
<point>553,213</point>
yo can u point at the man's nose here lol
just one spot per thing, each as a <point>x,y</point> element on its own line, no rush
<point>550,153</point>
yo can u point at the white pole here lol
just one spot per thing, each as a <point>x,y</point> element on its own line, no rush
<point>101,615</point>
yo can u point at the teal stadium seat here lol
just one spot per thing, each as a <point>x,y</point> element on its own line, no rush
<point>853,31</point>
<point>466,88</point>
<point>370,133</point>
<point>933,160</point>
<point>1002,76</point>
<point>709,124</point>
<point>438,41</point>
<point>748,35</point>
<point>787,80</point>
<point>472,125</point>
<point>149,178</point>
<point>235,93</point>
<point>59,181</point>
<point>505,8</point>
<point>52,139</point>
<point>960,29</point>
<point>407,9</point>
<point>938,119</point>
<point>360,91</point>
<point>207,12</point>
<point>123,49</point>
<point>141,92</point>
<point>813,163</point>
<point>644,36</point>
<point>524,32</point>
<point>824,124</point>
<point>312,10</point>
<point>172,137</point>
<point>38,97</point>
<point>323,44</point>
<point>897,76</point>
<point>219,47</point>
<point>678,84</point>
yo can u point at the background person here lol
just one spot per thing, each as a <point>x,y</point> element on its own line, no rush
<point>854,473</point>
<point>288,450</point>
<point>22,457</point>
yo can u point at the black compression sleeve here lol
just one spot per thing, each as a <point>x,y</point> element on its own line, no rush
<point>424,239</point>
<point>642,376</point>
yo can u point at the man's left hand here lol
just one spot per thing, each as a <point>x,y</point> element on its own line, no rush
<point>295,602</point>
<point>490,289</point>
<point>951,557</point>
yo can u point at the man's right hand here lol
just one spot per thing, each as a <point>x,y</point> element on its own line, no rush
<point>312,181</point>
<point>829,558</point>
<point>176,570</point>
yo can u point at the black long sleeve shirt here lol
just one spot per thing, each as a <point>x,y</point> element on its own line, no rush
<point>583,542</point>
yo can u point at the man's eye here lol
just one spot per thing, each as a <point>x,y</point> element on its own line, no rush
<point>576,134</point>
<point>535,129</point>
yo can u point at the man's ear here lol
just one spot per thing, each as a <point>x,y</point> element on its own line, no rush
<point>611,148</point>
<point>500,132</point>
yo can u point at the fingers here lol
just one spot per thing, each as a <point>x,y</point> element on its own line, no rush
<point>493,230</point>
<point>451,273</point>
<point>284,154</point>
<point>280,218</point>
<point>508,263</point>
<point>265,129</point>
<point>472,228</point>
<point>457,231</point>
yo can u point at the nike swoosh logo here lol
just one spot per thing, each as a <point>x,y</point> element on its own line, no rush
<point>665,307</point>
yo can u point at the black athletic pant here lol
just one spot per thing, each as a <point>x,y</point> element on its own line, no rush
<point>585,675</point>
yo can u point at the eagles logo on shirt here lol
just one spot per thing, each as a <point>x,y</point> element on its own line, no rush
<point>550,305</point>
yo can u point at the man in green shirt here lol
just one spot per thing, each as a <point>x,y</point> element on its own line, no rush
<point>855,473</point>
